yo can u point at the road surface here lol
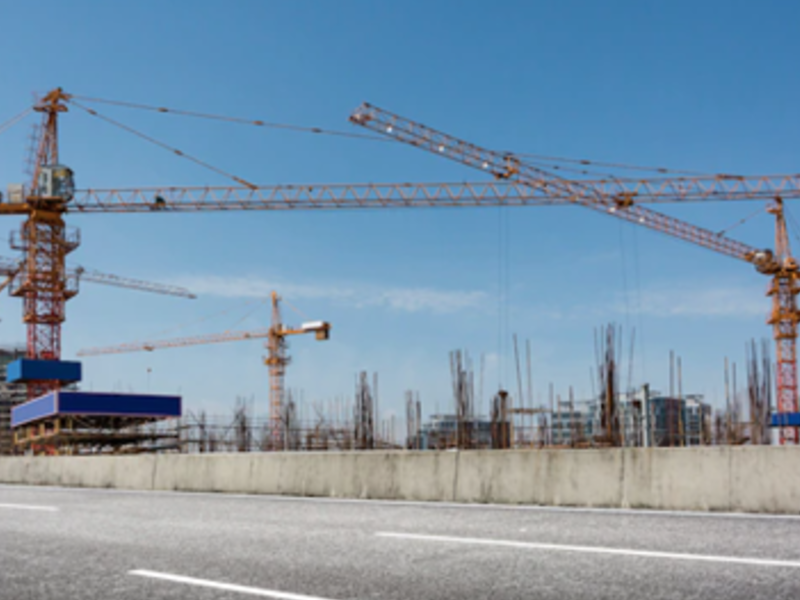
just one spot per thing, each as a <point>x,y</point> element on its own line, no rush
<point>62,544</point>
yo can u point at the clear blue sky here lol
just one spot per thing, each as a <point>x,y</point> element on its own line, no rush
<point>707,86</point>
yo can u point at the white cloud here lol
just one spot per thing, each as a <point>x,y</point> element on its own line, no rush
<point>698,301</point>
<point>421,299</point>
<point>662,300</point>
<point>491,359</point>
<point>358,296</point>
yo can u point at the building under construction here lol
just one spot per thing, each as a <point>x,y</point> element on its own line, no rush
<point>65,422</point>
<point>341,424</point>
<point>11,394</point>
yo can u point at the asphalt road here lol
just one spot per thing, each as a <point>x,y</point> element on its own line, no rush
<point>104,544</point>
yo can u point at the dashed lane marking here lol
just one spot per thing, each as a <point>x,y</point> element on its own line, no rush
<point>227,587</point>
<point>761,562</point>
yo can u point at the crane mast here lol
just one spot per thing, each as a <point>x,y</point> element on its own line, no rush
<point>784,319</point>
<point>45,241</point>
<point>277,360</point>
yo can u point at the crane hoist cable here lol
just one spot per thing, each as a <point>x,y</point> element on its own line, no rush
<point>503,252</point>
<point>295,309</point>
<point>550,166</point>
<point>238,120</point>
<point>202,319</point>
<point>318,130</point>
<point>160,144</point>
<point>637,280</point>
<point>248,314</point>
<point>499,297</point>
<point>624,266</point>
<point>553,165</point>
<point>507,291</point>
<point>14,120</point>
<point>758,211</point>
<point>348,134</point>
<point>613,165</point>
<point>553,168</point>
<point>584,172</point>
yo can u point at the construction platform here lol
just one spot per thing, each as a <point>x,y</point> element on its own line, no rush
<point>69,422</point>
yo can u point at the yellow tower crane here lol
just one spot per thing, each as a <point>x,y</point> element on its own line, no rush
<point>278,359</point>
<point>277,356</point>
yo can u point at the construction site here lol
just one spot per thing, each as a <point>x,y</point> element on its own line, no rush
<point>428,299</point>
<point>45,411</point>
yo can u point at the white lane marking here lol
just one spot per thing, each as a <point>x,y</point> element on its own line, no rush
<point>29,507</point>
<point>419,503</point>
<point>761,562</point>
<point>228,587</point>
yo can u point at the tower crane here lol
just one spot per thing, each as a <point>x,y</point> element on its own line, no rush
<point>618,198</point>
<point>277,356</point>
<point>277,360</point>
<point>45,240</point>
<point>41,277</point>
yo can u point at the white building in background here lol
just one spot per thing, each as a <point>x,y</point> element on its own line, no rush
<point>646,417</point>
<point>573,422</point>
<point>653,419</point>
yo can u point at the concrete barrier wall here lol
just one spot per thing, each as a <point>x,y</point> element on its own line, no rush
<point>753,479</point>
<point>691,478</point>
<point>550,477</point>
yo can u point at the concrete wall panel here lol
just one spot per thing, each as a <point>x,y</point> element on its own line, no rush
<point>549,477</point>
<point>755,479</point>
<point>765,479</point>
<point>677,478</point>
<point>229,473</point>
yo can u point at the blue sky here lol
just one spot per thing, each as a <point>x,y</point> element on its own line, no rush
<point>703,86</point>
